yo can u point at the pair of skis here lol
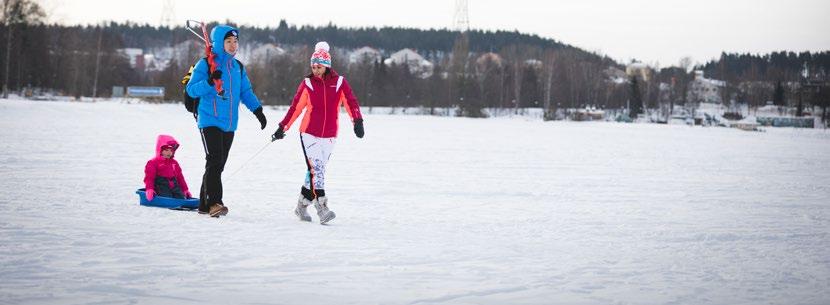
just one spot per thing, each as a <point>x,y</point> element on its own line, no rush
<point>211,57</point>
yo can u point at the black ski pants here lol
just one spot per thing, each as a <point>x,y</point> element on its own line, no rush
<point>217,144</point>
<point>163,188</point>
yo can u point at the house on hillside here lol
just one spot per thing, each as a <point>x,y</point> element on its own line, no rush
<point>638,69</point>
<point>488,61</point>
<point>616,76</point>
<point>364,54</point>
<point>142,61</point>
<point>135,56</point>
<point>705,90</point>
<point>534,63</point>
<point>265,52</point>
<point>416,63</point>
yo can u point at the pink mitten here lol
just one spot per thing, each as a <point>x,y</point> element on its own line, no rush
<point>187,195</point>
<point>150,195</point>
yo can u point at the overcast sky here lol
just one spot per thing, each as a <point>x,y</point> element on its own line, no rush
<point>653,31</point>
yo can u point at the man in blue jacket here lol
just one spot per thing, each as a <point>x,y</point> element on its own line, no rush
<point>218,114</point>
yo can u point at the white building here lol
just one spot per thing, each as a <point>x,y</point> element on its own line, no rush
<point>616,76</point>
<point>364,54</point>
<point>638,69</point>
<point>153,63</point>
<point>264,53</point>
<point>534,63</point>
<point>705,90</point>
<point>183,52</point>
<point>416,63</point>
<point>153,60</point>
<point>143,61</point>
<point>133,55</point>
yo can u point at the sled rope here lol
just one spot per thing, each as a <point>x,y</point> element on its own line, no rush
<point>248,161</point>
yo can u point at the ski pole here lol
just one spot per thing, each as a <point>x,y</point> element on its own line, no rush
<point>211,57</point>
<point>189,28</point>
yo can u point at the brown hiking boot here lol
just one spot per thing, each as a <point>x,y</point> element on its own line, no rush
<point>217,209</point>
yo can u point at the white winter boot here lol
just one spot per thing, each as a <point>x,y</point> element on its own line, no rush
<point>300,210</point>
<point>321,204</point>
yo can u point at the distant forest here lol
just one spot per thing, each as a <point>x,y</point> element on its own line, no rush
<point>473,70</point>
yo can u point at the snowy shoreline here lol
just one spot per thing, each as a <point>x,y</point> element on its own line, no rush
<point>431,210</point>
<point>525,113</point>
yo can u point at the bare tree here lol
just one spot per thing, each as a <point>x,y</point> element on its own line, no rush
<point>548,63</point>
<point>458,77</point>
<point>516,59</point>
<point>683,80</point>
<point>685,63</point>
<point>824,100</point>
<point>360,77</point>
<point>97,64</point>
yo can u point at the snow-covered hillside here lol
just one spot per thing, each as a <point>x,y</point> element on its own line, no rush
<point>431,210</point>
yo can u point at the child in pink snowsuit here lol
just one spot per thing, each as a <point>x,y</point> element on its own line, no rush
<point>163,175</point>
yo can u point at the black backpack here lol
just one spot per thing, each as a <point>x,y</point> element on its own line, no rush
<point>192,103</point>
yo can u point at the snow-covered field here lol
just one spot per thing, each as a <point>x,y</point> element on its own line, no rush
<point>431,210</point>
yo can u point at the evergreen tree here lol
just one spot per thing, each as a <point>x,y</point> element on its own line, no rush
<point>14,13</point>
<point>778,95</point>
<point>636,98</point>
<point>799,112</point>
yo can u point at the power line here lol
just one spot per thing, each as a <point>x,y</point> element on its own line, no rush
<point>168,13</point>
<point>461,19</point>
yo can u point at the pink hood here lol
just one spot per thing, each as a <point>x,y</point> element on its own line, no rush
<point>164,139</point>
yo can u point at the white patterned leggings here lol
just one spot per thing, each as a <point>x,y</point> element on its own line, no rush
<point>317,152</point>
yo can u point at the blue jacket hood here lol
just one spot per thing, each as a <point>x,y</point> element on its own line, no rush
<point>217,36</point>
<point>222,112</point>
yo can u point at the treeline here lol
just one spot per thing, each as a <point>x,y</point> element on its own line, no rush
<point>67,60</point>
<point>386,38</point>
<point>63,60</point>
<point>471,71</point>
<point>784,78</point>
<point>773,67</point>
<point>512,77</point>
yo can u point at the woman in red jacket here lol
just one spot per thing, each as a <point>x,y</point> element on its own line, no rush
<point>320,95</point>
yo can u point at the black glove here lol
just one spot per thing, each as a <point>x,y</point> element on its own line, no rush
<point>358,128</point>
<point>260,117</point>
<point>279,134</point>
<point>217,74</point>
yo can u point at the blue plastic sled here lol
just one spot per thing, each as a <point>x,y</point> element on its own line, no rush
<point>167,202</point>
